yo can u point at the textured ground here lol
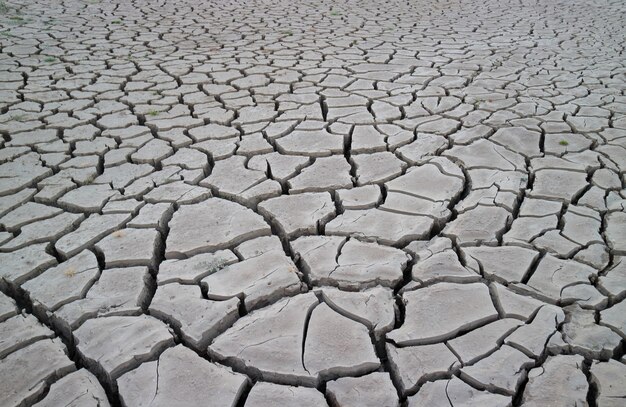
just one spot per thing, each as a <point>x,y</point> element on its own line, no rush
<point>311,203</point>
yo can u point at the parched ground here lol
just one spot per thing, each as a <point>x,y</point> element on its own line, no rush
<point>312,203</point>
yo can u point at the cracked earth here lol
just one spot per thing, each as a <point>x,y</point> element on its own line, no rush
<point>320,203</point>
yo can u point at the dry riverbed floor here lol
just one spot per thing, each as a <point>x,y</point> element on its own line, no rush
<point>312,203</point>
